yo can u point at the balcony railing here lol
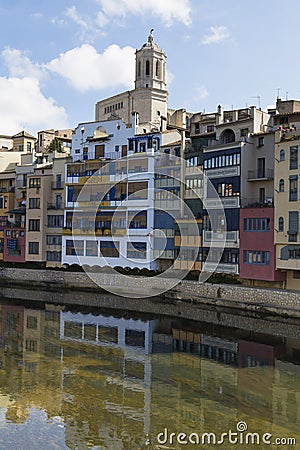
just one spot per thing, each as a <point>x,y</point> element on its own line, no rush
<point>56,185</point>
<point>92,155</point>
<point>7,189</point>
<point>267,174</point>
<point>52,206</point>
<point>255,202</point>
<point>15,225</point>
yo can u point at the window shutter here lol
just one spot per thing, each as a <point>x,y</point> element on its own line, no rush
<point>293,222</point>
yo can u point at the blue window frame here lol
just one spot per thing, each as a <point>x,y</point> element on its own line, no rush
<point>257,257</point>
<point>257,224</point>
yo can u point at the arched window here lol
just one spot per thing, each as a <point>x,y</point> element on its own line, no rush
<point>282,155</point>
<point>227,136</point>
<point>139,69</point>
<point>157,69</point>
<point>147,68</point>
<point>281,224</point>
<point>281,185</point>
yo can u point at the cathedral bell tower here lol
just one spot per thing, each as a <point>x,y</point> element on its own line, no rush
<point>150,96</point>
<point>150,66</point>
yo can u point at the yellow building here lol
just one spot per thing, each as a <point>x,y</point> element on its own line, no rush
<point>23,142</point>
<point>286,200</point>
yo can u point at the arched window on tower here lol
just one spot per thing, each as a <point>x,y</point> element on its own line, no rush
<point>147,68</point>
<point>139,69</point>
<point>281,224</point>
<point>281,185</point>
<point>157,69</point>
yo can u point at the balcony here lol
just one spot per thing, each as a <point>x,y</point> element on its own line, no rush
<point>92,155</point>
<point>56,207</point>
<point>221,268</point>
<point>257,203</point>
<point>214,238</point>
<point>55,185</point>
<point>254,175</point>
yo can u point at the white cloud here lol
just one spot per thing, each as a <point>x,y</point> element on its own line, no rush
<point>217,35</point>
<point>73,14</point>
<point>170,77</point>
<point>87,69</point>
<point>201,93</point>
<point>101,19</point>
<point>24,105</point>
<point>19,65</point>
<point>168,11</point>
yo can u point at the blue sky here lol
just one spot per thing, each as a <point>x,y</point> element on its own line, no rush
<point>59,57</point>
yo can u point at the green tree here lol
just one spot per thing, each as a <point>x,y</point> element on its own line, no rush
<point>55,146</point>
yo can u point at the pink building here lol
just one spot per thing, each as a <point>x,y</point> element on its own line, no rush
<point>257,250</point>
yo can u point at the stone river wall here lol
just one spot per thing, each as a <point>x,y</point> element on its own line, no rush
<point>274,301</point>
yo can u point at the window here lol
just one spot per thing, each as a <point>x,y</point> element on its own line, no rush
<point>225,189</point>
<point>244,132</point>
<point>109,249</point>
<point>136,250</point>
<point>58,181</point>
<point>294,253</point>
<point>282,155</point>
<point>281,224</point>
<point>34,182</point>
<point>74,247</point>
<point>261,168</point>
<point>157,69</point>
<point>130,144</point>
<point>31,346</point>
<point>281,185</point>
<point>222,161</point>
<point>34,203</point>
<point>228,136</point>
<point>261,141</point>
<point>147,68</point>
<point>293,192</point>
<point>33,248</point>
<point>257,224</point>
<point>54,256</point>
<point>32,322</point>
<point>3,202</point>
<point>139,69</point>
<point>29,146</point>
<point>91,248</point>
<point>256,257</point>
<point>53,239</point>
<point>55,221</point>
<point>293,225</point>
<point>294,157</point>
<point>34,225</point>
<point>210,128</point>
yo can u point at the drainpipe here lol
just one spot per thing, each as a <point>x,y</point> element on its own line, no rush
<point>182,172</point>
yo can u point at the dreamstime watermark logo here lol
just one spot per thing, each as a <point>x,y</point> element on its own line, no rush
<point>240,435</point>
<point>125,216</point>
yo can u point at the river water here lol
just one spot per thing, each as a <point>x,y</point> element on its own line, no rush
<point>72,378</point>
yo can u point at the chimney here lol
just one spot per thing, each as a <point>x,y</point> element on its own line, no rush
<point>163,124</point>
<point>135,121</point>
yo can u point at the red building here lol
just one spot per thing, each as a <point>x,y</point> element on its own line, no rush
<point>15,238</point>
<point>257,250</point>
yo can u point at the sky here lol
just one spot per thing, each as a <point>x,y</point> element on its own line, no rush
<point>59,57</point>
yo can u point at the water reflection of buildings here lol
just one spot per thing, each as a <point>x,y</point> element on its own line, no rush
<point>113,378</point>
<point>133,371</point>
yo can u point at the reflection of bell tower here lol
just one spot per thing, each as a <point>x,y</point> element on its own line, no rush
<point>150,66</point>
